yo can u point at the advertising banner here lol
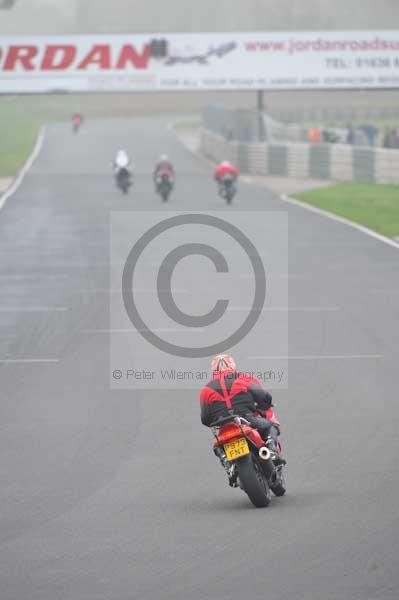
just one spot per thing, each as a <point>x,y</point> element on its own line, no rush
<point>201,61</point>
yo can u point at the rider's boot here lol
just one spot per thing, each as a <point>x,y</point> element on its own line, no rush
<point>274,449</point>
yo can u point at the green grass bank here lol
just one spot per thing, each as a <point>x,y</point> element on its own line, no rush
<point>373,205</point>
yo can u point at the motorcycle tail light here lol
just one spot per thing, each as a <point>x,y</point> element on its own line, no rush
<point>228,433</point>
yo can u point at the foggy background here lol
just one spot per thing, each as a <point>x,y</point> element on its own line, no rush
<point>83,16</point>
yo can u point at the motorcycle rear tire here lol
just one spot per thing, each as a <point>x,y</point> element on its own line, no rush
<point>253,481</point>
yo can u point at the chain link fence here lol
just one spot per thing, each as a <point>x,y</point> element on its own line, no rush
<point>251,126</point>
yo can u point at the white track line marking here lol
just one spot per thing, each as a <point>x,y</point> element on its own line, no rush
<point>289,309</point>
<point>135,291</point>
<point>342,220</point>
<point>141,330</point>
<point>32,309</point>
<point>31,277</point>
<point>320,357</point>
<point>75,265</point>
<point>272,276</point>
<point>29,360</point>
<point>21,175</point>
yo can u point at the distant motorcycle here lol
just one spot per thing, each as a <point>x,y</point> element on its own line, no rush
<point>164,184</point>
<point>227,187</point>
<point>247,460</point>
<point>76,123</point>
<point>123,179</point>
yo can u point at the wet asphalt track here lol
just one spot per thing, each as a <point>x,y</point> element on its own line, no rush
<point>115,495</point>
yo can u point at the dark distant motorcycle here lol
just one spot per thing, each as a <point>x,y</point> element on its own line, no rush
<point>227,187</point>
<point>164,182</point>
<point>247,460</point>
<point>123,179</point>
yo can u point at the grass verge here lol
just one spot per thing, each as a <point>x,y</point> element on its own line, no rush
<point>373,205</point>
<point>18,133</point>
<point>190,126</point>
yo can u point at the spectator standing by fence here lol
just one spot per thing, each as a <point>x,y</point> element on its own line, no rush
<point>314,135</point>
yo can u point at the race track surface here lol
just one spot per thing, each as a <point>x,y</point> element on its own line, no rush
<point>109,494</point>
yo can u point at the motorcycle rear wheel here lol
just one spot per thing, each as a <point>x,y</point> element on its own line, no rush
<point>253,481</point>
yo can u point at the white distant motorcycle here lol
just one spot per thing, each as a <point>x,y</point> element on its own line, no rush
<point>122,171</point>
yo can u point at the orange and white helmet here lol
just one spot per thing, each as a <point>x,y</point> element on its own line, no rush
<point>223,362</point>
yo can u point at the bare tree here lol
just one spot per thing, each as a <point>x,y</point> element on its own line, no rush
<point>7,3</point>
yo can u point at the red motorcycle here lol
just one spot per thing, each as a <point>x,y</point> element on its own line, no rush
<point>77,120</point>
<point>247,460</point>
<point>227,187</point>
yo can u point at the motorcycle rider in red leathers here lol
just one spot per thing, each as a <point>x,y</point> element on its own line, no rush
<point>164,165</point>
<point>243,395</point>
<point>223,169</point>
<point>77,120</point>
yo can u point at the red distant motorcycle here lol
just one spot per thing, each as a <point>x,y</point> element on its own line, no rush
<point>77,120</point>
<point>227,187</point>
<point>247,460</point>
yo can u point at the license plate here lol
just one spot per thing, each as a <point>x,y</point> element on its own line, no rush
<point>236,449</point>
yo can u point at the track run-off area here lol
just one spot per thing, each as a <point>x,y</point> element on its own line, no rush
<point>116,494</point>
